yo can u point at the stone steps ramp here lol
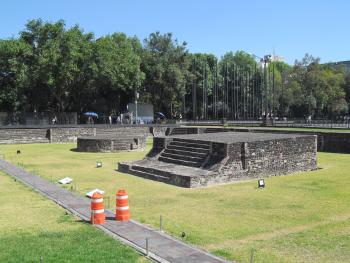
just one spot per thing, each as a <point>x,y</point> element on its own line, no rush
<point>186,152</point>
<point>166,172</point>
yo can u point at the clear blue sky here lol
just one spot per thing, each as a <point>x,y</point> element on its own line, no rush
<point>291,28</point>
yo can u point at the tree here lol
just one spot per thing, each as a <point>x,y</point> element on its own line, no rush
<point>165,64</point>
<point>59,65</point>
<point>118,73</point>
<point>14,73</point>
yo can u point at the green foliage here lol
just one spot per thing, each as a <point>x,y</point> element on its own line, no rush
<point>14,74</point>
<point>118,70</point>
<point>165,64</point>
<point>318,90</point>
<point>54,68</point>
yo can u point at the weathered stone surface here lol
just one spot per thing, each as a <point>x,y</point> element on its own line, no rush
<point>224,157</point>
<point>14,136</point>
<point>70,134</point>
<point>326,141</point>
<point>111,144</point>
<point>63,134</point>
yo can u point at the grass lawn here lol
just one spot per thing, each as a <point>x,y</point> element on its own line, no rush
<point>299,218</point>
<point>32,226</point>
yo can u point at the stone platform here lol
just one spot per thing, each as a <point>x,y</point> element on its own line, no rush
<point>110,143</point>
<point>196,160</point>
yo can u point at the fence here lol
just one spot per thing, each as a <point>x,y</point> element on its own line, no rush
<point>37,118</point>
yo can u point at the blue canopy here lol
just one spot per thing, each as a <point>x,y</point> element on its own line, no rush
<point>91,114</point>
<point>160,115</point>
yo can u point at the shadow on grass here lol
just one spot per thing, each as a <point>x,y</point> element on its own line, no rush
<point>74,150</point>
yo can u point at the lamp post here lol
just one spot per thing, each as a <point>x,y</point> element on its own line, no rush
<point>265,60</point>
<point>136,98</point>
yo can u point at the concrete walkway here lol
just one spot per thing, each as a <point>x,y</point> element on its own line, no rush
<point>161,247</point>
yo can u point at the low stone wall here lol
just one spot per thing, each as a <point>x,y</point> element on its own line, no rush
<point>20,136</point>
<point>58,135</point>
<point>103,144</point>
<point>121,131</point>
<point>326,141</point>
<point>64,134</point>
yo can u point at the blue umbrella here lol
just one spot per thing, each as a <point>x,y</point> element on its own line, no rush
<point>160,115</point>
<point>91,114</point>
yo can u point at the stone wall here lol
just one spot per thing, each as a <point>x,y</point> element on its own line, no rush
<point>102,144</point>
<point>61,135</point>
<point>326,141</point>
<point>270,158</point>
<point>120,131</point>
<point>13,136</point>
<point>64,134</point>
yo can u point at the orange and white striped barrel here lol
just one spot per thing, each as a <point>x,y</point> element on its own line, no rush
<point>122,206</point>
<point>98,216</point>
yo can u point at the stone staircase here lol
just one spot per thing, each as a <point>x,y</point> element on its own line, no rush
<point>186,152</point>
<point>179,175</point>
<point>152,173</point>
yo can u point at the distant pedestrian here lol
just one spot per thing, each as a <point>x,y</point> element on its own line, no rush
<point>110,119</point>
<point>54,120</point>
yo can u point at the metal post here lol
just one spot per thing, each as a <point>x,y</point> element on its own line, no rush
<point>136,98</point>
<point>161,223</point>
<point>147,253</point>
<point>194,100</point>
<point>252,256</point>
<point>273,90</point>
<point>282,95</point>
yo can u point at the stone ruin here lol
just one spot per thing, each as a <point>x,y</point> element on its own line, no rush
<point>197,160</point>
<point>114,140</point>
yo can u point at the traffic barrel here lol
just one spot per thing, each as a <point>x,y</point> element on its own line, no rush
<point>122,206</point>
<point>98,216</point>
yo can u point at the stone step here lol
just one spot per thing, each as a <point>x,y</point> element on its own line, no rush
<point>191,141</point>
<point>150,176</point>
<point>183,157</point>
<point>179,162</point>
<point>186,153</point>
<point>152,170</point>
<point>181,131</point>
<point>215,130</point>
<point>191,145</point>
<point>186,148</point>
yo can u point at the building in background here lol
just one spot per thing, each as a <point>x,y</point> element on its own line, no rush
<point>145,113</point>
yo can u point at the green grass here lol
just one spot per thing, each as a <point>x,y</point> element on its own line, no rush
<point>32,226</point>
<point>298,218</point>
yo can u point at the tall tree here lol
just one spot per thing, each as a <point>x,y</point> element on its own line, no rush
<point>165,63</point>
<point>14,74</point>
<point>59,65</point>
<point>118,73</point>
